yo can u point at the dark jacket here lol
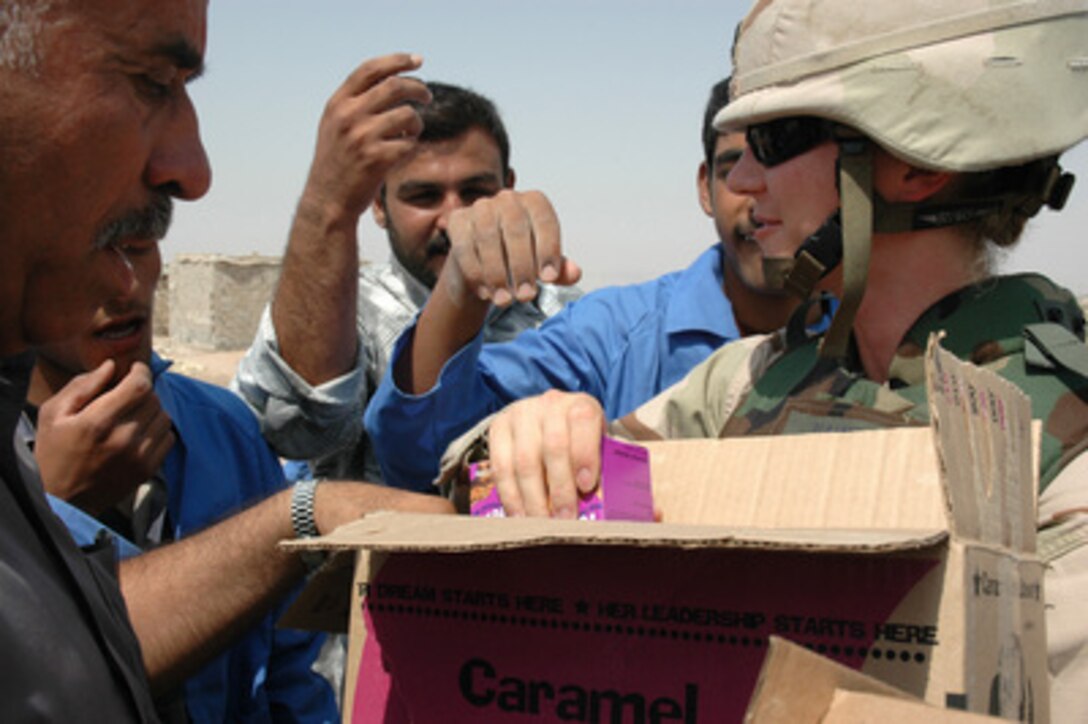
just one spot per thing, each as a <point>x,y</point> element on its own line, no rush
<point>67,650</point>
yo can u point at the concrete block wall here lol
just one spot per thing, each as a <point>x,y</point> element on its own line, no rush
<point>215,301</point>
<point>160,318</point>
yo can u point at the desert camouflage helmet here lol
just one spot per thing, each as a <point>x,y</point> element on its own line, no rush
<point>954,85</point>
<point>950,85</point>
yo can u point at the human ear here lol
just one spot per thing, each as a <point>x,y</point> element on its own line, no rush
<point>920,184</point>
<point>703,182</point>
<point>378,208</point>
<point>898,181</point>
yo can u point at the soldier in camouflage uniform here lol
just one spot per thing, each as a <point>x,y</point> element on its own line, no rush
<point>1023,327</point>
<point>890,147</point>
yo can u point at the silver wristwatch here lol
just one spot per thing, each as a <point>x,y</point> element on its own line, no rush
<point>302,520</point>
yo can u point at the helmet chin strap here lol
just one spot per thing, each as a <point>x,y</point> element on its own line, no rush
<point>820,253</point>
<point>856,194</point>
<point>1023,190</point>
<point>836,243</point>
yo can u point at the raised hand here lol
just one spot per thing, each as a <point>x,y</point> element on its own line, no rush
<point>501,246</point>
<point>366,128</point>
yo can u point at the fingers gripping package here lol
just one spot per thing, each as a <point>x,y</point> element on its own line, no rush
<point>624,492</point>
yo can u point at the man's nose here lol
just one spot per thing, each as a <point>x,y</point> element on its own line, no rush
<point>451,201</point>
<point>746,176</point>
<point>178,163</point>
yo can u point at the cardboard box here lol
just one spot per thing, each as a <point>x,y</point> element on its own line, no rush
<point>624,491</point>
<point>905,553</point>
<point>797,686</point>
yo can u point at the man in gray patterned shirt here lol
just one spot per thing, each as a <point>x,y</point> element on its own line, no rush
<point>415,152</point>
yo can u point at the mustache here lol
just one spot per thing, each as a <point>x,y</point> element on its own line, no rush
<point>128,310</point>
<point>150,222</point>
<point>743,233</point>
<point>437,245</point>
<point>742,230</point>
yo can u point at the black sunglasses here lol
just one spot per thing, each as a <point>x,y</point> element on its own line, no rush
<point>777,141</point>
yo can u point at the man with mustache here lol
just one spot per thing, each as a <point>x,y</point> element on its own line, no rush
<point>94,114</point>
<point>95,122</point>
<point>323,345</point>
<point>160,463</point>
<point>621,345</point>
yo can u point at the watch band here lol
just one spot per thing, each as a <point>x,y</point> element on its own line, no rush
<point>302,520</point>
<point>302,509</point>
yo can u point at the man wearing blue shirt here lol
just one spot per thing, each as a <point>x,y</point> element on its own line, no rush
<point>621,345</point>
<point>172,481</point>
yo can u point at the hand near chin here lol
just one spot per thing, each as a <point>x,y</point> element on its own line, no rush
<point>366,128</point>
<point>546,451</point>
<point>96,444</point>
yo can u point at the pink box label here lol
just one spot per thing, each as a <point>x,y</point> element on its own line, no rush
<point>625,492</point>
<point>618,634</point>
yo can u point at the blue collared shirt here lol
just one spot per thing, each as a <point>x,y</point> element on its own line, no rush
<point>621,345</point>
<point>219,465</point>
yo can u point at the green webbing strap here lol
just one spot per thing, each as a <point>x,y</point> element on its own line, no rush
<point>1051,345</point>
<point>855,191</point>
<point>1058,540</point>
<point>775,271</point>
<point>806,273</point>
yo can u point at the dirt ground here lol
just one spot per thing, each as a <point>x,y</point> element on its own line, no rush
<point>216,367</point>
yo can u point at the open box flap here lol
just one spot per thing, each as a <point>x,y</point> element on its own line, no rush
<point>798,685</point>
<point>422,532</point>
<point>983,428</point>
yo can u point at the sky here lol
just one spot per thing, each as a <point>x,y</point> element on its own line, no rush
<point>602,99</point>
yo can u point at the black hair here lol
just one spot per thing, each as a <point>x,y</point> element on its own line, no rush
<point>453,110</point>
<point>719,98</point>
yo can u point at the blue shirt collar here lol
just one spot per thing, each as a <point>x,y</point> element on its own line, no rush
<point>158,365</point>
<point>702,305</point>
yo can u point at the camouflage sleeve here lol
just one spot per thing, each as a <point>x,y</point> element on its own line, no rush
<point>1063,547</point>
<point>700,404</point>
